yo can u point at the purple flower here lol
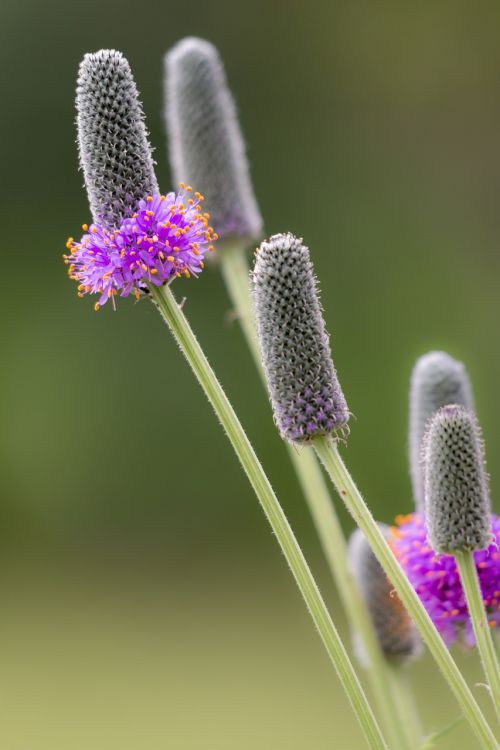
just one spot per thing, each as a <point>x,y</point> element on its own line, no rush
<point>436,580</point>
<point>167,237</point>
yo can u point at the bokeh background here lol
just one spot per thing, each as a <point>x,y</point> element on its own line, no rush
<point>144,602</point>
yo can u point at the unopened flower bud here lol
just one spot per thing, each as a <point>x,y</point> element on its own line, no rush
<point>115,154</point>
<point>396,634</point>
<point>437,380</point>
<point>457,502</point>
<point>206,144</point>
<point>305,393</point>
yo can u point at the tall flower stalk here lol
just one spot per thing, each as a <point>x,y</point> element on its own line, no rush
<point>141,246</point>
<point>309,408</point>
<point>458,515</point>
<point>206,148</point>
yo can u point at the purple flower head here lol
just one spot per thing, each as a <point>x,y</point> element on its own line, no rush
<point>166,237</point>
<point>436,580</point>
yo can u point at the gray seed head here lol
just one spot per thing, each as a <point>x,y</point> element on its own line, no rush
<point>305,394</point>
<point>457,502</point>
<point>396,634</point>
<point>206,144</point>
<point>115,154</point>
<point>437,380</point>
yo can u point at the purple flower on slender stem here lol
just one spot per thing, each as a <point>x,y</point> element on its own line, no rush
<point>436,580</point>
<point>166,237</point>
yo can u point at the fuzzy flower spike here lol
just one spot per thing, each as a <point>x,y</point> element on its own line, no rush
<point>437,380</point>
<point>458,521</point>
<point>306,396</point>
<point>206,144</point>
<point>393,626</point>
<point>138,237</point>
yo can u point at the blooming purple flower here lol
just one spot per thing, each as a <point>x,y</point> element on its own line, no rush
<point>167,237</point>
<point>436,580</point>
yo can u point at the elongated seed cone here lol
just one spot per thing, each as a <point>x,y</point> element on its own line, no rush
<point>396,634</point>
<point>437,380</point>
<point>457,502</point>
<point>305,393</point>
<point>206,144</point>
<point>115,154</point>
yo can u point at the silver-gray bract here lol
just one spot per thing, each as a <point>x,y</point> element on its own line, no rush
<point>206,145</point>
<point>437,380</point>
<point>457,502</point>
<point>115,154</point>
<point>396,634</point>
<point>305,393</point>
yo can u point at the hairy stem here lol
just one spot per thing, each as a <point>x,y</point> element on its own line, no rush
<point>327,450</point>
<point>484,639</point>
<point>179,326</point>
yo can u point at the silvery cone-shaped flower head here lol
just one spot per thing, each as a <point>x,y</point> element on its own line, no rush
<point>457,503</point>
<point>397,636</point>
<point>437,380</point>
<point>206,144</point>
<point>115,154</point>
<point>306,396</point>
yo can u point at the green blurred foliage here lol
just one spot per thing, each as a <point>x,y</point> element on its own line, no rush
<point>372,132</point>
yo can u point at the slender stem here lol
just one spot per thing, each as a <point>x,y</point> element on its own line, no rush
<point>193,353</point>
<point>470,583</point>
<point>329,455</point>
<point>235,271</point>
<point>404,698</point>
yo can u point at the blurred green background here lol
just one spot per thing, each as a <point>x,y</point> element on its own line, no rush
<point>144,602</point>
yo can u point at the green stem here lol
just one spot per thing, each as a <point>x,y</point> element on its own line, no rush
<point>329,455</point>
<point>235,271</point>
<point>193,353</point>
<point>484,639</point>
<point>404,698</point>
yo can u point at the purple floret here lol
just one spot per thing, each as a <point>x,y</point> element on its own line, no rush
<point>436,580</point>
<point>168,236</point>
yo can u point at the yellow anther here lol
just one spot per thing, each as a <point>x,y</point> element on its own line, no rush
<point>144,267</point>
<point>196,251</point>
<point>149,213</point>
<point>137,295</point>
<point>85,227</point>
<point>202,264</point>
<point>170,258</point>
<point>153,271</point>
<point>162,198</point>
<point>149,198</point>
<point>189,188</point>
<point>182,185</point>
<point>93,230</point>
<point>97,306</point>
<point>210,248</point>
<point>176,249</point>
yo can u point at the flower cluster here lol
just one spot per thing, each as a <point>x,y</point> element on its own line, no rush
<point>436,580</point>
<point>167,237</point>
